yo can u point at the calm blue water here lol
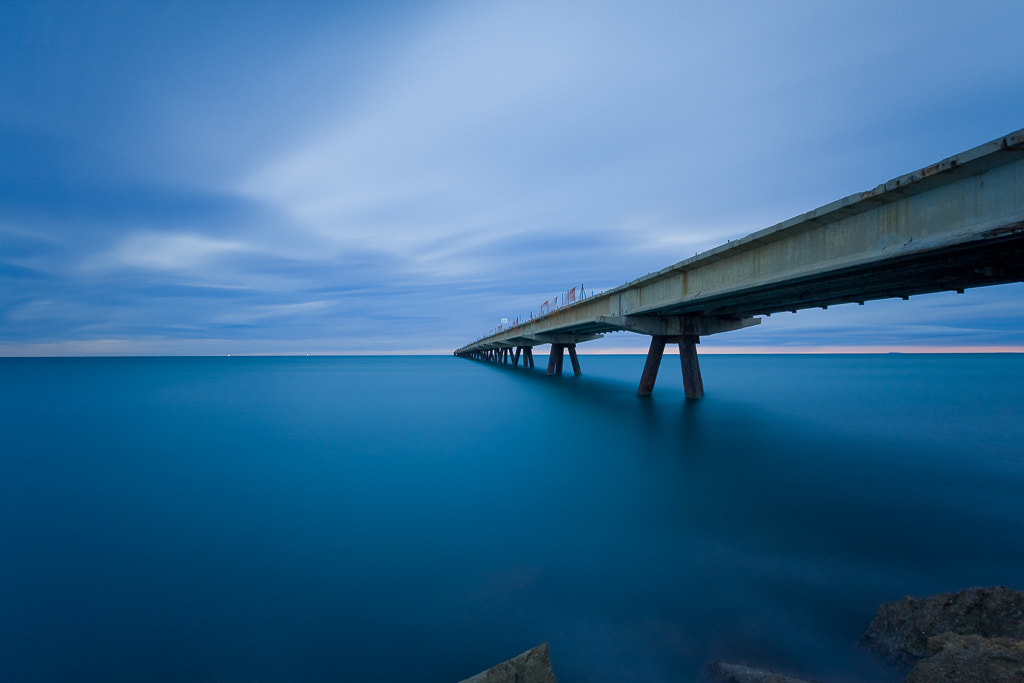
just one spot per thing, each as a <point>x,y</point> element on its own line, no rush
<point>391,519</point>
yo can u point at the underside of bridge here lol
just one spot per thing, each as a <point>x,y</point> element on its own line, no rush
<point>951,226</point>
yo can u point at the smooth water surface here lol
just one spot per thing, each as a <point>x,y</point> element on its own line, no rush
<point>423,518</point>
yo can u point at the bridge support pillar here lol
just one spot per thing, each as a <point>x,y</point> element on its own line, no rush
<point>555,359</point>
<point>652,364</point>
<point>555,348</point>
<point>528,357</point>
<point>515,357</point>
<point>575,361</point>
<point>693,385</point>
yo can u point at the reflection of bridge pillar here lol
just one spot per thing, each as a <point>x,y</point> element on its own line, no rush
<point>693,385</point>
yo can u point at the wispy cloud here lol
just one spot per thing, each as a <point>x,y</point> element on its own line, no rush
<point>182,251</point>
<point>401,177</point>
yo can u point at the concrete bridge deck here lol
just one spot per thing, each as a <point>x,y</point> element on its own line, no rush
<point>956,224</point>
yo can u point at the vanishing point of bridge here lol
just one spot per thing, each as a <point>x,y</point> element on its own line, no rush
<point>953,225</point>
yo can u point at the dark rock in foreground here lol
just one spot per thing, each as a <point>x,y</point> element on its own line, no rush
<point>901,629</point>
<point>970,659</point>
<point>974,636</point>
<point>720,672</point>
<point>533,666</point>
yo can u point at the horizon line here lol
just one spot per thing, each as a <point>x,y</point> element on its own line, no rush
<point>620,351</point>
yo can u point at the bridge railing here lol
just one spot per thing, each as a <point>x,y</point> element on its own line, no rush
<point>555,303</point>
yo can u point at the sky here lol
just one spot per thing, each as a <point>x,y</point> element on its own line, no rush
<point>395,177</point>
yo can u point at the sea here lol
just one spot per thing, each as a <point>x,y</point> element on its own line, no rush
<point>424,518</point>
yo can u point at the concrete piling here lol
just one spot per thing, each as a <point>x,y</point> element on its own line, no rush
<point>555,360</point>
<point>953,225</point>
<point>652,364</point>
<point>575,361</point>
<point>693,385</point>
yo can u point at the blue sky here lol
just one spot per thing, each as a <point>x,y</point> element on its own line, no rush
<point>229,177</point>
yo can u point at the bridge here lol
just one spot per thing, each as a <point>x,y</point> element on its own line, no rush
<point>956,224</point>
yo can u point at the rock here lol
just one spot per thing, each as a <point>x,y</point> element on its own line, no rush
<point>970,659</point>
<point>720,672</point>
<point>901,629</point>
<point>533,666</point>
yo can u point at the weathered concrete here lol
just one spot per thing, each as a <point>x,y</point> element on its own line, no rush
<point>533,666</point>
<point>575,360</point>
<point>651,365</point>
<point>693,384</point>
<point>555,359</point>
<point>953,225</point>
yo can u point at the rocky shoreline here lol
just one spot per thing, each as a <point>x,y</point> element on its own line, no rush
<point>973,636</point>
<point>533,666</point>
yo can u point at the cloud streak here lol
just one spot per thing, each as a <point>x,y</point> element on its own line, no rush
<point>399,178</point>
